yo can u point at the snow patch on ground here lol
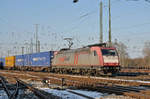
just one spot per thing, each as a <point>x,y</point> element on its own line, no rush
<point>67,95</point>
<point>3,95</point>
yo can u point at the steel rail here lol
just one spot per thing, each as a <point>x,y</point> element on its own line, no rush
<point>15,93</point>
<point>39,93</point>
<point>5,87</point>
<point>79,94</point>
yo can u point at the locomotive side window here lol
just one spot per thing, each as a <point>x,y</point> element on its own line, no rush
<point>109,52</point>
<point>95,53</point>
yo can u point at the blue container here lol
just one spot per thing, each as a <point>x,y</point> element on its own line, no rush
<point>41,59</point>
<point>19,60</point>
<point>2,62</point>
<point>27,58</point>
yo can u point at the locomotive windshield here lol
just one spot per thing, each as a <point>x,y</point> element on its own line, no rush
<point>109,52</point>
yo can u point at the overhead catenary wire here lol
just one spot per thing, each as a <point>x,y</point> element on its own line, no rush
<point>139,0</point>
<point>86,15</point>
<point>133,26</point>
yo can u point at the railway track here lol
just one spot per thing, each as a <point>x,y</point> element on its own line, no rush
<point>38,76</point>
<point>10,95</point>
<point>105,85</point>
<point>134,92</point>
<point>23,85</point>
<point>136,69</point>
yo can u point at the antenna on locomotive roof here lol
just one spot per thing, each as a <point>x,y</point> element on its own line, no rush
<point>69,40</point>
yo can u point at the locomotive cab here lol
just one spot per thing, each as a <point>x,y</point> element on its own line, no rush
<point>110,60</point>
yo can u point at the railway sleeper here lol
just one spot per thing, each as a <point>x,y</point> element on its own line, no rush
<point>137,95</point>
<point>127,88</point>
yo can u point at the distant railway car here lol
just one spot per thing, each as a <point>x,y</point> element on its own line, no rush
<point>2,63</point>
<point>89,59</point>
<point>10,62</point>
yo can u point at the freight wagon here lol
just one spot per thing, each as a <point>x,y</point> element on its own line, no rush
<point>36,61</point>
<point>41,59</point>
<point>19,60</point>
<point>23,60</point>
<point>9,62</point>
<point>2,63</point>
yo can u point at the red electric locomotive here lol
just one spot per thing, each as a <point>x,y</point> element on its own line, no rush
<point>93,59</point>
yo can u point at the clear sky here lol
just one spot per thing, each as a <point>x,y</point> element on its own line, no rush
<point>59,19</point>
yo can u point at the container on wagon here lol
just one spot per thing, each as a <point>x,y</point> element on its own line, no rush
<point>10,61</point>
<point>27,61</point>
<point>2,62</point>
<point>41,59</point>
<point>19,60</point>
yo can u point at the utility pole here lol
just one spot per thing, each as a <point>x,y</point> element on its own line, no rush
<point>0,53</point>
<point>9,52</point>
<point>38,46</point>
<point>22,50</point>
<point>101,22</point>
<point>26,48</point>
<point>15,52</point>
<point>31,46</point>
<point>36,36</point>
<point>109,26</point>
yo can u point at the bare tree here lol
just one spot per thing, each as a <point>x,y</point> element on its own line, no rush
<point>122,52</point>
<point>146,49</point>
<point>146,53</point>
